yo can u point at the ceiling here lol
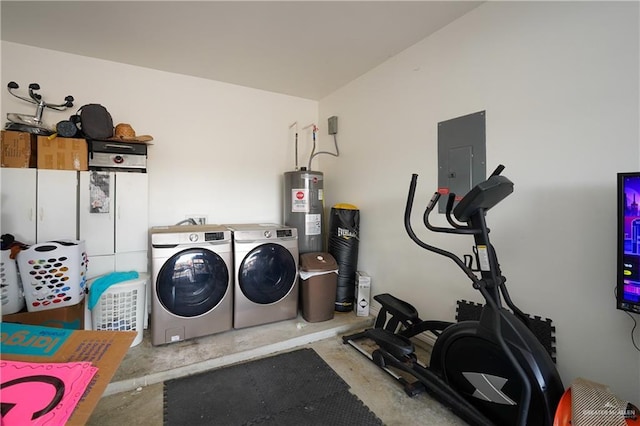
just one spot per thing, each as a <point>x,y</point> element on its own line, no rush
<point>306,49</point>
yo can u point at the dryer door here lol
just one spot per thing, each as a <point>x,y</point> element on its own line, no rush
<point>267,274</point>
<point>192,282</point>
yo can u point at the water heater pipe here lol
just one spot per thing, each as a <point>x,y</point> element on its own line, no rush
<point>295,124</point>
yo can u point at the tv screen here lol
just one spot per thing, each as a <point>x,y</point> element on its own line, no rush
<point>628,282</point>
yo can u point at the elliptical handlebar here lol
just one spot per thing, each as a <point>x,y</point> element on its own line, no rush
<point>498,170</point>
<point>449,208</point>
<point>430,206</point>
<point>470,209</point>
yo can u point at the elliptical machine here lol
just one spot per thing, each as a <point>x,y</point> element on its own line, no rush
<point>493,371</point>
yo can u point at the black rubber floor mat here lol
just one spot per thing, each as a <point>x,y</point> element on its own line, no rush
<point>543,329</point>
<point>294,388</point>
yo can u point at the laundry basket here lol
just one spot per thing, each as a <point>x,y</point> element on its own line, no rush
<point>53,274</point>
<point>121,307</point>
<point>11,292</point>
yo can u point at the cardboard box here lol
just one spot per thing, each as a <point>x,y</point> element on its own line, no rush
<point>104,349</point>
<point>69,317</point>
<point>62,153</point>
<point>363,294</point>
<point>18,149</point>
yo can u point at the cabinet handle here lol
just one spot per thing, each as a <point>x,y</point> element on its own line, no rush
<point>30,216</point>
<point>41,215</point>
<point>119,146</point>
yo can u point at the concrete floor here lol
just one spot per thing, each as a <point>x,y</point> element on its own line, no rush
<point>135,395</point>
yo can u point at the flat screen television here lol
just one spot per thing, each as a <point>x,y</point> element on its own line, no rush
<point>628,282</point>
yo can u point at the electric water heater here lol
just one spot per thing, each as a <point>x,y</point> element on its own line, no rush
<point>304,208</point>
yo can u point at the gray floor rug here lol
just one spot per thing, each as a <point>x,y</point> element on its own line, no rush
<point>294,388</point>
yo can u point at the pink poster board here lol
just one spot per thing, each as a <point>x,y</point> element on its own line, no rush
<point>42,393</point>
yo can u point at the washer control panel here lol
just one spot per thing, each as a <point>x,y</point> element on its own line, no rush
<point>284,233</point>
<point>174,235</point>
<point>213,236</point>
<point>206,236</point>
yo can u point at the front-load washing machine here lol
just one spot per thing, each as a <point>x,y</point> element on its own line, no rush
<point>266,273</point>
<point>192,287</point>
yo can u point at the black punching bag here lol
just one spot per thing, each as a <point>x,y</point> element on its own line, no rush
<point>344,228</point>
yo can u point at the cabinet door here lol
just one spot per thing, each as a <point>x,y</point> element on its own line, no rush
<point>57,201</point>
<point>132,261</point>
<point>97,212</point>
<point>132,211</point>
<point>18,201</point>
<point>101,265</point>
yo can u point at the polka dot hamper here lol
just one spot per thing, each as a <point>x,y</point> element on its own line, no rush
<point>11,292</point>
<point>53,274</point>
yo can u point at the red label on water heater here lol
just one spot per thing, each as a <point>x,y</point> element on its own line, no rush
<point>300,195</point>
<point>443,191</point>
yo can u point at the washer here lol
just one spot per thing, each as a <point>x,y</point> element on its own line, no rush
<point>192,287</point>
<point>266,273</point>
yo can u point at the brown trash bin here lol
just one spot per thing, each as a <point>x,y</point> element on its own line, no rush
<point>318,289</point>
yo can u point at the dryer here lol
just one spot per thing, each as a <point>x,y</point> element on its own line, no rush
<point>192,287</point>
<point>266,273</point>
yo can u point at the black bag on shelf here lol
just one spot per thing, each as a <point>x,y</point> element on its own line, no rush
<point>94,121</point>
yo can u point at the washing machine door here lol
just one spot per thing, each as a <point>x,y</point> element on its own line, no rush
<point>192,282</point>
<point>267,274</point>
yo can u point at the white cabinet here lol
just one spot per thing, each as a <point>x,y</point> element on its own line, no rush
<point>18,208</point>
<point>39,205</point>
<point>57,203</point>
<point>114,220</point>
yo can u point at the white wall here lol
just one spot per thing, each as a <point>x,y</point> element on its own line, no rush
<point>218,149</point>
<point>559,83</point>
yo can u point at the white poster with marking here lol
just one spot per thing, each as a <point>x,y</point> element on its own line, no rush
<point>99,192</point>
<point>300,200</point>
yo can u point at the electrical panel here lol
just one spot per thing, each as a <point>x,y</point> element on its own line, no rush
<point>333,125</point>
<point>461,155</point>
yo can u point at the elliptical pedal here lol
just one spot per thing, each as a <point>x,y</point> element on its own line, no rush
<point>414,388</point>
<point>398,346</point>
<point>411,388</point>
<point>398,308</point>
